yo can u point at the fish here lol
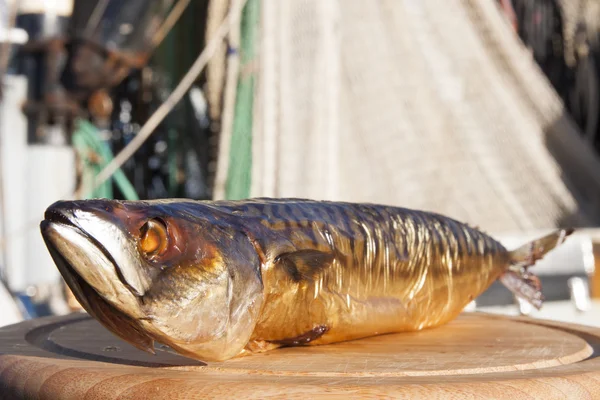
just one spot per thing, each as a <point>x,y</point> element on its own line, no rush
<point>216,280</point>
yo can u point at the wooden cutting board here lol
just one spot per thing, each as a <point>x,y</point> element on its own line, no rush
<point>475,356</point>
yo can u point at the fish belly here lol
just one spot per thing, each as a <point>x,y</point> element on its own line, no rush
<point>391,270</point>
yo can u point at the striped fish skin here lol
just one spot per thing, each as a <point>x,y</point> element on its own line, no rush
<point>252,275</point>
<point>393,269</point>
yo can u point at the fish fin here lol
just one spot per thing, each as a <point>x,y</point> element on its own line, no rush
<point>305,338</point>
<point>525,286</point>
<point>518,279</point>
<point>528,254</point>
<point>304,264</point>
<point>258,346</point>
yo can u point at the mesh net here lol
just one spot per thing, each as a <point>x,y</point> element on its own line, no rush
<point>417,103</point>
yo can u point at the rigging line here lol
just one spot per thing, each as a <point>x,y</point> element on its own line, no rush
<point>94,20</point>
<point>170,21</point>
<point>186,82</point>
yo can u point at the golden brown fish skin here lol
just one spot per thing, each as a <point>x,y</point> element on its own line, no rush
<point>393,269</point>
<point>263,273</point>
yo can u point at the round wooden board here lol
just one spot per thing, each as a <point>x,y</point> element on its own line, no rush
<point>475,356</point>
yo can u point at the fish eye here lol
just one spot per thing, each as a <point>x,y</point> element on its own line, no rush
<point>154,238</point>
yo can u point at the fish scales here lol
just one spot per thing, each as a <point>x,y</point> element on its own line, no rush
<point>215,279</point>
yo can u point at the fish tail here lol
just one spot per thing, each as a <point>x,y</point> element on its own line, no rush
<point>518,279</point>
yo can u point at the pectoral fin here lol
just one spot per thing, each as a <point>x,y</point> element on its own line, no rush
<point>304,338</point>
<point>304,264</point>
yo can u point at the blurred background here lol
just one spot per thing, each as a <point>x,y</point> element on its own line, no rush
<point>487,111</point>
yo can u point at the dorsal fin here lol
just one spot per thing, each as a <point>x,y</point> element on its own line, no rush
<point>304,265</point>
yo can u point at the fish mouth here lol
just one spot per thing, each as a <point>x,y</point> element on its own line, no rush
<point>56,217</point>
<point>119,323</point>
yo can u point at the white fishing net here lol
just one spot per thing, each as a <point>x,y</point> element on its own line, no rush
<point>425,104</point>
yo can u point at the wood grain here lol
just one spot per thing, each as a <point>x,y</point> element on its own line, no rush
<point>595,278</point>
<point>475,356</point>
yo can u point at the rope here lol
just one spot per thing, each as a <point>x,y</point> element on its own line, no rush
<point>171,19</point>
<point>94,20</point>
<point>229,95</point>
<point>184,85</point>
<point>239,167</point>
<point>86,141</point>
<point>156,118</point>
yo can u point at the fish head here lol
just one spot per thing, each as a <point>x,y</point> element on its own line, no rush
<point>172,271</point>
